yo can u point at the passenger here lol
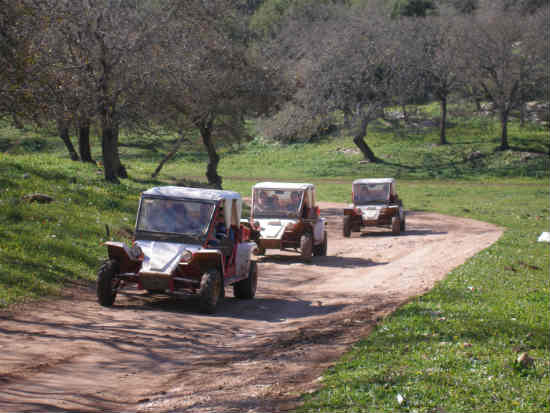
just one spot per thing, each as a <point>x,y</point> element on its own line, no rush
<point>294,201</point>
<point>364,194</point>
<point>220,228</point>
<point>266,202</point>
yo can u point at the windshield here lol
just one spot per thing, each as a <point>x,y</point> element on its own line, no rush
<point>169,216</point>
<point>370,193</point>
<point>277,203</point>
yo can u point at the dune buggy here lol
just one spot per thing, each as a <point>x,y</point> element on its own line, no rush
<point>284,216</point>
<point>375,204</point>
<point>186,241</point>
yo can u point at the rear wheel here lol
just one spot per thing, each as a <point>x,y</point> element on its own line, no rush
<point>210,291</point>
<point>396,225</point>
<point>306,246</point>
<point>347,226</point>
<point>403,223</point>
<point>107,283</point>
<point>321,249</point>
<point>246,288</point>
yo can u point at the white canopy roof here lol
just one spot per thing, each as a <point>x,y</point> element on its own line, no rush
<point>232,210</point>
<point>192,193</point>
<point>374,181</point>
<point>283,185</point>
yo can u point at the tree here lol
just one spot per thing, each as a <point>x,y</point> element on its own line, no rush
<point>503,51</point>
<point>409,45</point>
<point>100,54</point>
<point>345,61</point>
<point>20,26</point>
<point>207,78</point>
<point>439,46</point>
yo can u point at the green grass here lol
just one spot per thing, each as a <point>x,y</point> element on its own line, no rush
<point>453,349</point>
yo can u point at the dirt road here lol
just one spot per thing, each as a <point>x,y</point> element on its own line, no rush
<point>159,354</point>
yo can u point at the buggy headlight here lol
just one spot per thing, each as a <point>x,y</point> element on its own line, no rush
<point>186,256</point>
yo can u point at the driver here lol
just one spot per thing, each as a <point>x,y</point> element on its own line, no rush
<point>266,202</point>
<point>363,195</point>
<point>162,219</point>
<point>378,193</point>
<point>294,201</point>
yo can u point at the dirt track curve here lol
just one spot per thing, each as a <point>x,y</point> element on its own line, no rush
<point>159,354</point>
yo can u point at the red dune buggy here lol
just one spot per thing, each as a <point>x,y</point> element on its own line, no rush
<point>186,241</point>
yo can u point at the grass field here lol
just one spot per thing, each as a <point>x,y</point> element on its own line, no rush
<point>453,349</point>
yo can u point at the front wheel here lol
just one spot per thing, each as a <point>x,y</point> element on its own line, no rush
<point>396,225</point>
<point>325,245</point>
<point>210,291</point>
<point>321,249</point>
<point>403,223</point>
<point>246,289</point>
<point>306,246</point>
<point>347,226</point>
<point>107,283</point>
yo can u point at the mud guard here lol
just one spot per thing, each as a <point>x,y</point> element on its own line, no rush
<point>203,259</point>
<point>129,259</point>
<point>319,231</point>
<point>242,259</point>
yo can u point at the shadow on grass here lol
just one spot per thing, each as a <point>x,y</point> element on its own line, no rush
<point>471,167</point>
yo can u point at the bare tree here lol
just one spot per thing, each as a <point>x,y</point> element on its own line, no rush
<point>100,50</point>
<point>409,59</point>
<point>20,26</point>
<point>350,65</point>
<point>439,46</point>
<point>503,51</point>
<point>207,78</point>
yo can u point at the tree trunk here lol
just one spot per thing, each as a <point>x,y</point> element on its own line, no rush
<point>120,168</point>
<point>405,113</point>
<point>169,155</point>
<point>213,159</point>
<point>347,118</point>
<point>504,130</point>
<point>84,142</point>
<point>108,148</point>
<point>443,122</point>
<point>521,98</point>
<point>360,141</point>
<point>63,131</point>
<point>16,122</point>
<point>522,114</point>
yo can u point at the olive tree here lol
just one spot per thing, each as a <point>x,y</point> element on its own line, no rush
<point>346,62</point>
<point>20,27</point>
<point>96,50</point>
<point>439,42</point>
<point>208,78</point>
<point>503,51</point>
